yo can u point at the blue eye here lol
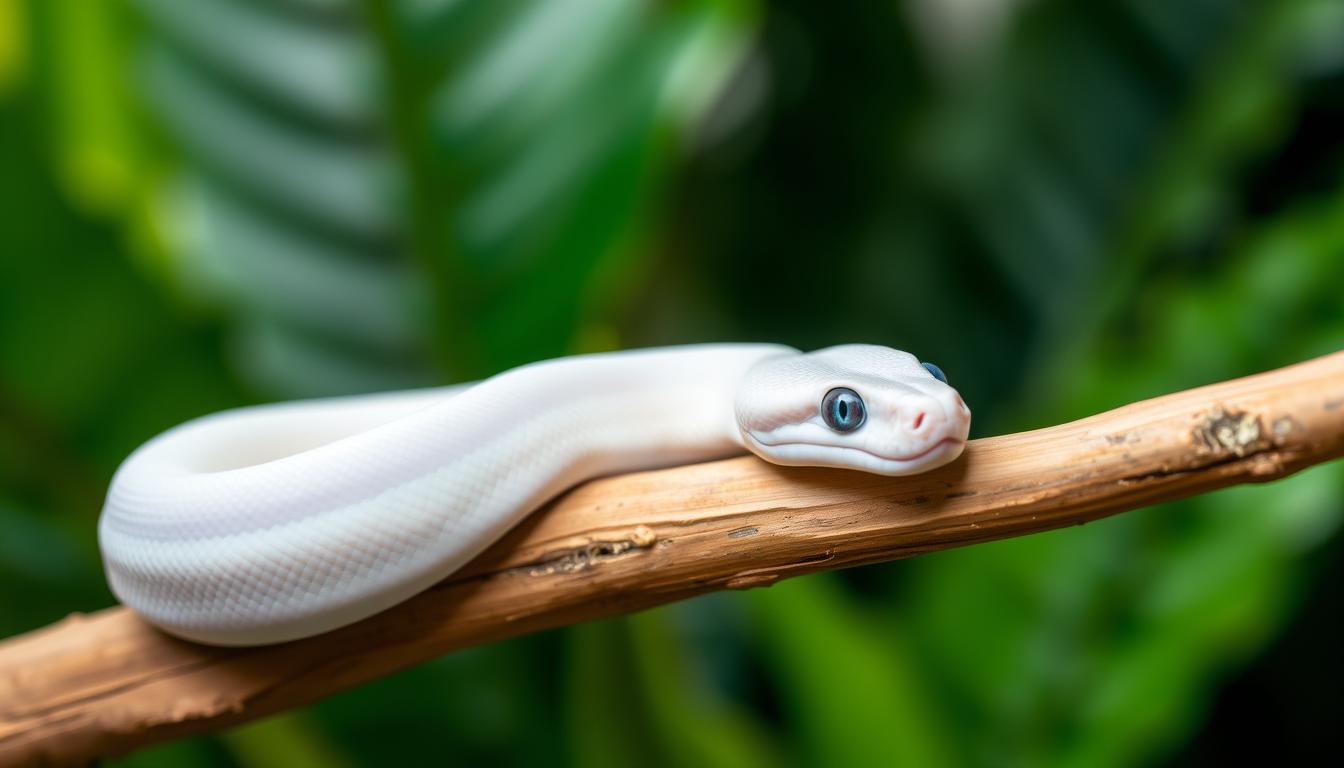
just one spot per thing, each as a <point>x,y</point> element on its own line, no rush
<point>842,409</point>
<point>936,371</point>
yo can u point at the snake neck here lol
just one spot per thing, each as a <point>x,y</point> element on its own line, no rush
<point>627,411</point>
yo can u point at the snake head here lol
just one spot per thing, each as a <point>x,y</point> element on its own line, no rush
<point>855,406</point>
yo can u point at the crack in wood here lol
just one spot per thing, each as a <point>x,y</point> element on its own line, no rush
<point>585,557</point>
<point>1172,473</point>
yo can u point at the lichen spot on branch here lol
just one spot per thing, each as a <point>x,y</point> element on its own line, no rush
<point>1225,432</point>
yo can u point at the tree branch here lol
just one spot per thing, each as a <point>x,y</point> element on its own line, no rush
<point>107,683</point>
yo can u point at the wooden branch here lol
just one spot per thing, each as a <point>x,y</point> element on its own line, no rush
<point>106,683</point>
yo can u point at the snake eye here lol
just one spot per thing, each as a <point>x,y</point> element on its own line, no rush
<point>936,371</point>
<point>842,409</point>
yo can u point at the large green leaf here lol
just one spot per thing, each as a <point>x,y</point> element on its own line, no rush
<point>378,192</point>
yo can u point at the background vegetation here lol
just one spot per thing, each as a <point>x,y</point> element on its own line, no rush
<point>1069,206</point>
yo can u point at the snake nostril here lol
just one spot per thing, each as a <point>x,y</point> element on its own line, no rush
<point>919,420</point>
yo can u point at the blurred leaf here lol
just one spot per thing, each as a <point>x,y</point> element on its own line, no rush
<point>206,753</point>
<point>1072,222</point>
<point>1238,109</point>
<point>495,705</point>
<point>325,71</point>
<point>97,151</point>
<point>1221,566</point>
<point>634,696</point>
<point>92,363</point>
<point>851,693</point>
<point>352,152</point>
<point>287,740</point>
<point>694,726</point>
<point>37,553</point>
<point>345,186</point>
<point>13,44</point>
<point>604,719</point>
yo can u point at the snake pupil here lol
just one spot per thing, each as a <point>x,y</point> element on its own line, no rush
<point>842,409</point>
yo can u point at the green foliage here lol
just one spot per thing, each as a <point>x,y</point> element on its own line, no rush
<point>634,692</point>
<point>843,680</point>
<point>210,202</point>
<point>359,187</point>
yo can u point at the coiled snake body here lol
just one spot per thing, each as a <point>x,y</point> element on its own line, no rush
<point>276,522</point>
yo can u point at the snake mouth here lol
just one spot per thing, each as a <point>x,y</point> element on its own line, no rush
<point>803,453</point>
<point>946,442</point>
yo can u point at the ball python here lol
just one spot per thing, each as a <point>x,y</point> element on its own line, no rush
<point>275,522</point>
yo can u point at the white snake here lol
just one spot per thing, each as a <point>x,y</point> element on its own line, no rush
<point>276,522</point>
